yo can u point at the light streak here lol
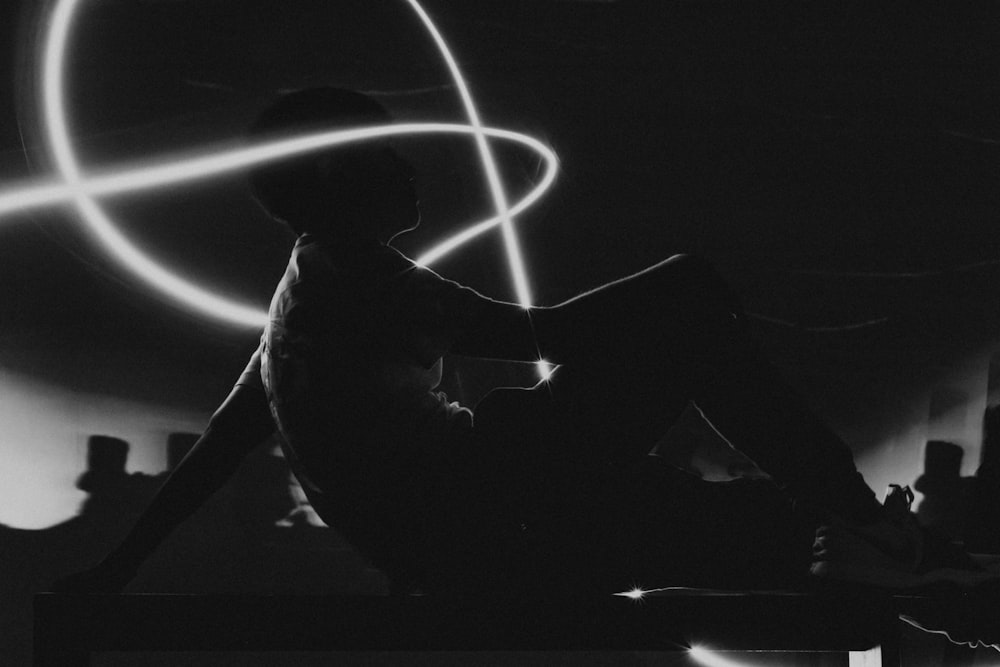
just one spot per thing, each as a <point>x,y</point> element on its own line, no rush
<point>486,157</point>
<point>636,594</point>
<point>514,259</point>
<point>81,190</point>
<point>708,658</point>
<point>173,172</point>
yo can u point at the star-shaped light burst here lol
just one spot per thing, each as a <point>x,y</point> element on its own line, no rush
<point>635,593</point>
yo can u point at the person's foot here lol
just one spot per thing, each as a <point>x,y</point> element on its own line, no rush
<point>894,553</point>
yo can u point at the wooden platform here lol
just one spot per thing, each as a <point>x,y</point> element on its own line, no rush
<point>68,628</point>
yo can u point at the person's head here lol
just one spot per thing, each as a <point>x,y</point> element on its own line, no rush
<point>356,191</point>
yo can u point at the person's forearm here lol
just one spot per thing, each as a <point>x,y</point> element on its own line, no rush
<point>241,423</point>
<point>510,332</point>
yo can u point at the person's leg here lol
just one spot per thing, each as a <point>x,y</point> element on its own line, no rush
<point>672,529</point>
<point>596,521</point>
<point>677,330</point>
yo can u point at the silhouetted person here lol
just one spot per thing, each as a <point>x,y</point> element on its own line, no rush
<point>545,487</point>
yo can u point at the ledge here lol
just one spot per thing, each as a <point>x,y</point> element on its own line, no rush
<point>69,627</point>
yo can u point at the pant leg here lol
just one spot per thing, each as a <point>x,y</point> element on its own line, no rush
<point>677,328</point>
<point>605,524</point>
<point>672,529</point>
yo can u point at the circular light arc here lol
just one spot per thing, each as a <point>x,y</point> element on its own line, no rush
<point>80,191</point>
<point>173,172</point>
<point>132,257</point>
<point>514,258</point>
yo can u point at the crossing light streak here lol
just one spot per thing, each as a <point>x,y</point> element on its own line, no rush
<point>180,170</point>
<point>486,157</point>
<point>82,190</point>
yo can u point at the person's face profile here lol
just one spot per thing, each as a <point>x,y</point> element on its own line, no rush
<point>386,186</point>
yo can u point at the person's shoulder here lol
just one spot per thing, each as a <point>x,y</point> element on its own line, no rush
<point>311,256</point>
<point>306,244</point>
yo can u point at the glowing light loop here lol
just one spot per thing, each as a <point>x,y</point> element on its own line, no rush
<point>82,191</point>
<point>486,157</point>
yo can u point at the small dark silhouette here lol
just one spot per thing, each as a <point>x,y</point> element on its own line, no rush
<point>31,559</point>
<point>946,493</point>
<point>984,515</point>
<point>259,534</point>
<point>116,496</point>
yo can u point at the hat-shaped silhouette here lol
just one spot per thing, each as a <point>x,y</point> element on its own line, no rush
<point>942,468</point>
<point>106,458</point>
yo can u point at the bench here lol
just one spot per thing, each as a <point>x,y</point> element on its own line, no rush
<point>69,628</point>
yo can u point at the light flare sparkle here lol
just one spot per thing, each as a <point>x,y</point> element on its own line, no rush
<point>636,594</point>
<point>82,191</point>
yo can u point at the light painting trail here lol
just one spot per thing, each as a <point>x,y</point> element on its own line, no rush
<point>517,268</point>
<point>173,172</point>
<point>83,190</point>
<point>486,157</point>
<point>636,593</point>
<point>703,656</point>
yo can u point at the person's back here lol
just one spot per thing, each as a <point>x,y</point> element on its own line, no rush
<point>351,351</point>
<point>351,357</point>
<point>351,362</point>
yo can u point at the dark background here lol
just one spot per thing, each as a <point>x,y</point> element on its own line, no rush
<point>837,161</point>
<point>838,164</point>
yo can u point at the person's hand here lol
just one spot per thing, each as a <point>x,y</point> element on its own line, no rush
<point>106,578</point>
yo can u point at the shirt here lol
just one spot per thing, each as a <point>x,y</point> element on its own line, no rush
<point>351,362</point>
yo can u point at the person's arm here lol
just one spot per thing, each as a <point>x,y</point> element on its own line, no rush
<point>498,330</point>
<point>507,331</point>
<point>428,316</point>
<point>242,422</point>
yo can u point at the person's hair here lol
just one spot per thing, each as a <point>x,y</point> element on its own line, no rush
<point>305,191</point>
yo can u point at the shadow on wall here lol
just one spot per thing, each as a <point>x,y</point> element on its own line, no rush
<point>946,506</point>
<point>257,535</point>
